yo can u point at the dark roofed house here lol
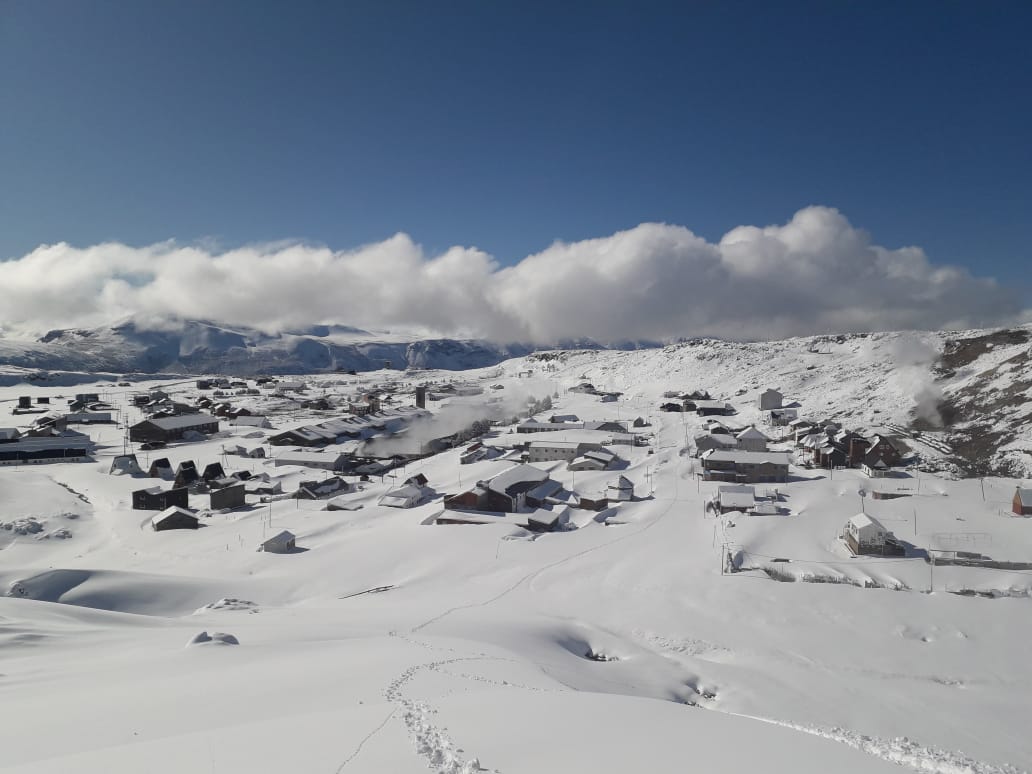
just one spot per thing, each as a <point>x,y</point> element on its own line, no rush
<point>228,497</point>
<point>173,428</point>
<point>212,471</point>
<point>186,473</point>
<point>1022,503</point>
<point>320,490</point>
<point>175,518</point>
<point>157,499</point>
<point>161,468</point>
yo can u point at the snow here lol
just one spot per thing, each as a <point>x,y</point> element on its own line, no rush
<point>620,644</point>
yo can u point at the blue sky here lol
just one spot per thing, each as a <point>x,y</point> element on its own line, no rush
<point>508,125</point>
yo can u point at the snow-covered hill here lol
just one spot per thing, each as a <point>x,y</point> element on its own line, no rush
<point>962,399</point>
<point>199,347</point>
<point>387,644</point>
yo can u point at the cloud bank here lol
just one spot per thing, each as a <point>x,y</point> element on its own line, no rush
<point>815,274</point>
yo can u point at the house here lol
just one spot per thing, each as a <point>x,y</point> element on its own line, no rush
<point>770,399</point>
<point>320,490</point>
<point>186,474</point>
<point>708,441</point>
<point>125,464</point>
<point>752,439</point>
<point>562,418</point>
<point>745,467</point>
<point>161,468</point>
<point>552,451</point>
<point>319,460</point>
<point>157,499</point>
<point>585,388</point>
<point>608,397</point>
<point>518,487</point>
<point>417,480</point>
<point>541,520</point>
<point>228,497</point>
<point>866,535</point>
<point>881,447</point>
<point>593,503</point>
<point>831,455</point>
<point>597,459</point>
<point>735,497</point>
<point>1022,502</point>
<point>282,543</point>
<point>89,417</point>
<point>407,496</point>
<point>673,407</point>
<point>175,517</point>
<point>783,416</point>
<point>55,446</point>
<point>262,486</point>
<point>243,420</point>
<point>706,408</point>
<point>212,471</point>
<point>620,490</point>
<point>609,426</point>
<point>173,428</point>
<point>875,469</point>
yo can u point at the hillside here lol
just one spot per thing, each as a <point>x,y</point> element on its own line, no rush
<point>199,347</point>
<point>962,400</point>
<point>386,642</point>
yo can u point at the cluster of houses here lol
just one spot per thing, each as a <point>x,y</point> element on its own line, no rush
<point>830,446</point>
<point>389,421</point>
<point>527,496</point>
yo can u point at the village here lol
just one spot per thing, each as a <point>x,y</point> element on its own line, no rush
<point>252,460</point>
<point>665,533</point>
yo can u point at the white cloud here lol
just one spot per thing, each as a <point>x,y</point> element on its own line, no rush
<point>816,273</point>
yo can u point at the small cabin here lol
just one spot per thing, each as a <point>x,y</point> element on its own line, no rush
<point>1022,503</point>
<point>866,535</point>
<point>283,543</point>
<point>175,517</point>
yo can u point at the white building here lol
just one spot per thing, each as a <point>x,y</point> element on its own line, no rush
<point>620,490</point>
<point>736,498</point>
<point>866,535</point>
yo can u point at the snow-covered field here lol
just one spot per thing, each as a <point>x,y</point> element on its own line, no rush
<point>623,645</point>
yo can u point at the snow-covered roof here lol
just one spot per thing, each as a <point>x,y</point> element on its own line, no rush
<point>862,520</point>
<point>736,496</point>
<point>748,457</point>
<point>172,510</point>
<point>517,474</point>
<point>182,421</point>
<point>621,482</point>
<point>751,433</point>
<point>282,538</point>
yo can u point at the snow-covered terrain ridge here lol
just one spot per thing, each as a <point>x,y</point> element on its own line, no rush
<point>385,644</point>
<point>198,347</point>
<point>960,398</point>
